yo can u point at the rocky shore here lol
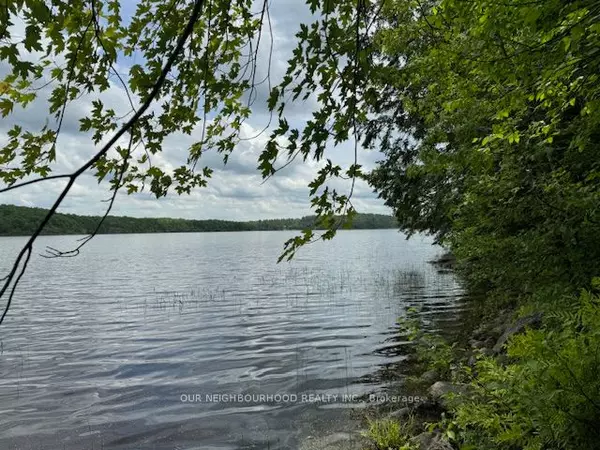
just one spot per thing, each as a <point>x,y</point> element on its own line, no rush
<point>488,339</point>
<point>441,390</point>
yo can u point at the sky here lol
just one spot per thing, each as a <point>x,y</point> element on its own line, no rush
<point>236,191</point>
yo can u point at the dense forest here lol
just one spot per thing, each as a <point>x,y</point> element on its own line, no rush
<point>20,220</point>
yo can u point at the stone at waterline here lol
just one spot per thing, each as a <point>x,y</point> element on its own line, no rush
<point>430,376</point>
<point>532,321</point>
<point>431,441</point>
<point>487,352</point>
<point>439,391</point>
<point>476,344</point>
<point>400,413</point>
<point>335,441</point>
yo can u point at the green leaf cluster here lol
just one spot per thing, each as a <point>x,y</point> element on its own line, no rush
<point>548,395</point>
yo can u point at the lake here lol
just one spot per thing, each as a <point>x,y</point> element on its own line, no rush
<point>202,341</point>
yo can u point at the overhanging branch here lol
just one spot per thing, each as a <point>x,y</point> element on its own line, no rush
<point>24,255</point>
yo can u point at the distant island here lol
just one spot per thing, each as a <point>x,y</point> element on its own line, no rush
<point>21,220</point>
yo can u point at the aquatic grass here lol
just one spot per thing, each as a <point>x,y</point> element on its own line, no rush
<point>304,286</point>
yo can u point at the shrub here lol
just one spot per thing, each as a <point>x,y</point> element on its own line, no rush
<point>547,396</point>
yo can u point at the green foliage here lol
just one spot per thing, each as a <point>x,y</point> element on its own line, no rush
<point>547,396</point>
<point>502,164</point>
<point>88,40</point>
<point>391,435</point>
<point>17,220</point>
<point>487,115</point>
<point>74,50</point>
<point>486,112</point>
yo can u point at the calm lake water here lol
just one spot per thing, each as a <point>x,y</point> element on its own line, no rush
<point>130,344</point>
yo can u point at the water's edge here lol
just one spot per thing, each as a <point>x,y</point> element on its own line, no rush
<point>112,349</point>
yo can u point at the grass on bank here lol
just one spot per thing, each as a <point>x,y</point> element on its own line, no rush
<point>391,434</point>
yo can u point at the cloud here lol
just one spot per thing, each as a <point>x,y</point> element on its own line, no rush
<point>236,190</point>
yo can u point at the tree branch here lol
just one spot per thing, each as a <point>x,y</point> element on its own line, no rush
<point>55,253</point>
<point>25,253</point>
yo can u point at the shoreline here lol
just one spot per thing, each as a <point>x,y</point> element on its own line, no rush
<point>485,335</point>
<point>23,221</point>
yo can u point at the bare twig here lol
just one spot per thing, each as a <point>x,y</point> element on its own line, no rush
<point>35,180</point>
<point>68,85</point>
<point>54,253</point>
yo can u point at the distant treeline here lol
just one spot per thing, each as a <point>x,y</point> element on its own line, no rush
<point>20,220</point>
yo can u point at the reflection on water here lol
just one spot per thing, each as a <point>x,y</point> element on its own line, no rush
<point>128,345</point>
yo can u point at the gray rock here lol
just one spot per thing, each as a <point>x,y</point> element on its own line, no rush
<point>400,413</point>
<point>479,332</point>
<point>411,359</point>
<point>476,344</point>
<point>487,352</point>
<point>497,330</point>
<point>335,441</point>
<point>431,441</point>
<point>430,376</point>
<point>533,321</point>
<point>439,390</point>
<point>472,360</point>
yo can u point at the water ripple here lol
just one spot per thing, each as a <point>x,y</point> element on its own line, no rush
<point>107,349</point>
